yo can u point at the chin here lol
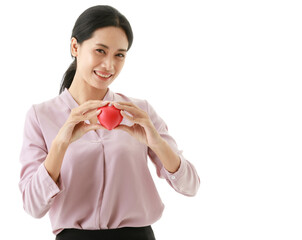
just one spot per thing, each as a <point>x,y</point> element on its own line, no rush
<point>100,86</point>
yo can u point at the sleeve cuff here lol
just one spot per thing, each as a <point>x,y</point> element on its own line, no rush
<point>174,177</point>
<point>53,188</point>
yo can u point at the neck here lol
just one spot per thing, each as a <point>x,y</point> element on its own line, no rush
<point>81,91</point>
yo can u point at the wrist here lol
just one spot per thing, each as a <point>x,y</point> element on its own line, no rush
<point>170,160</point>
<point>54,159</point>
<point>60,144</point>
<point>158,144</point>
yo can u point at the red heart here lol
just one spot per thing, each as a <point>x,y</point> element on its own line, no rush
<point>110,117</point>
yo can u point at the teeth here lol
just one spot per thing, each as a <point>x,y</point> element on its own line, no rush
<point>101,75</point>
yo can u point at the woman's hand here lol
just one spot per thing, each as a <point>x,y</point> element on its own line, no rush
<point>142,128</point>
<point>75,126</point>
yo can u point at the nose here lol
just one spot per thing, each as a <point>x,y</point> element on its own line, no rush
<point>107,63</point>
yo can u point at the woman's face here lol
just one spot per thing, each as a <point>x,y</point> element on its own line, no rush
<point>100,59</point>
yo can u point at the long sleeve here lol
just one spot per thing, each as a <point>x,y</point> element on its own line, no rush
<point>185,180</point>
<point>37,187</point>
<point>105,181</point>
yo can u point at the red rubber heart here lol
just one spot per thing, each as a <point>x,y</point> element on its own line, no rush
<point>110,117</point>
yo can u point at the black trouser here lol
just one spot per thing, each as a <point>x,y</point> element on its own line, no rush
<point>126,233</point>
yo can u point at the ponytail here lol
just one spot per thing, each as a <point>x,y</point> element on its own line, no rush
<point>68,76</point>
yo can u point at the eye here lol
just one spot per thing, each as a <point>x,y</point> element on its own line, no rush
<point>100,51</point>
<point>120,55</point>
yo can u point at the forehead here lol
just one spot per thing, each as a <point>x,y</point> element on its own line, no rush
<point>113,37</point>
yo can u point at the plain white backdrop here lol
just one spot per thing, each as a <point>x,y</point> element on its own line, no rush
<point>224,75</point>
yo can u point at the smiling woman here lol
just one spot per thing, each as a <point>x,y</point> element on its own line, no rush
<point>101,57</point>
<point>95,26</point>
<point>94,181</point>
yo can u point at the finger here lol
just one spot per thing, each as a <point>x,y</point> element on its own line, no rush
<point>87,116</point>
<point>132,109</point>
<point>127,116</point>
<point>92,114</point>
<point>126,104</point>
<point>90,127</point>
<point>124,128</point>
<point>141,120</point>
<point>91,105</point>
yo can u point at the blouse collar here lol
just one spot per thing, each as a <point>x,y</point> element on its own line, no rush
<point>71,103</point>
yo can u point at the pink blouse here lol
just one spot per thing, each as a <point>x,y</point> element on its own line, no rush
<point>104,180</point>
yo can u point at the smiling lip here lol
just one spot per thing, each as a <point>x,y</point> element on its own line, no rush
<point>103,75</point>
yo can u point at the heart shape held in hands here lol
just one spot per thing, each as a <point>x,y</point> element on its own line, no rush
<point>110,117</point>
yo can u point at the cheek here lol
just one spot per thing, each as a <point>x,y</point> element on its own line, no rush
<point>86,63</point>
<point>91,62</point>
<point>119,65</point>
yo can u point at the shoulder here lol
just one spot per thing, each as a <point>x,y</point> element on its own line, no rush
<point>49,104</point>
<point>49,108</point>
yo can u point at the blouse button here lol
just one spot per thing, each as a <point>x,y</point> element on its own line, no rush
<point>172,177</point>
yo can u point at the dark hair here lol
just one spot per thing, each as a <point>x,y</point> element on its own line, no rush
<point>90,20</point>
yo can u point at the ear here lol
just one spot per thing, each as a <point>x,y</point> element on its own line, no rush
<point>74,47</point>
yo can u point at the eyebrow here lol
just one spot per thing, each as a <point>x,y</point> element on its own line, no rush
<point>105,46</point>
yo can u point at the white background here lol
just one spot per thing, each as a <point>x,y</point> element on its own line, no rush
<point>224,75</point>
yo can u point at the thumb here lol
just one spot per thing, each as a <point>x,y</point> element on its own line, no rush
<point>125,128</point>
<point>90,127</point>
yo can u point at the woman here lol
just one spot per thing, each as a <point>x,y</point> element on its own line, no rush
<point>94,182</point>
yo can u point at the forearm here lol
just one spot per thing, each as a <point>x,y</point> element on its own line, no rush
<point>54,159</point>
<point>167,156</point>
